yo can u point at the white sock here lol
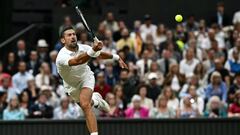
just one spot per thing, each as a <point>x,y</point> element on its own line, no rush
<point>94,133</point>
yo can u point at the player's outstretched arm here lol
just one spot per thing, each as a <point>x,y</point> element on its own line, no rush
<point>80,59</point>
<point>104,55</point>
<point>83,58</point>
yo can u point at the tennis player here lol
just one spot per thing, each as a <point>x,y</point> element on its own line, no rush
<point>78,79</point>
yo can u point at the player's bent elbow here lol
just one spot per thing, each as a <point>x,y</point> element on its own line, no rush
<point>75,62</point>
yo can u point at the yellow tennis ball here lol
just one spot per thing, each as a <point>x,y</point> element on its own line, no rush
<point>178,18</point>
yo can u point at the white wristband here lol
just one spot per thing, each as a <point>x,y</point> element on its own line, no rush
<point>97,54</point>
<point>92,53</point>
<point>115,57</point>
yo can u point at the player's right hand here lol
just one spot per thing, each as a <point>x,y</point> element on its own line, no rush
<point>97,46</point>
<point>122,64</point>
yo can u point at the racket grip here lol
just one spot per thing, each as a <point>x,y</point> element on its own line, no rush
<point>95,39</point>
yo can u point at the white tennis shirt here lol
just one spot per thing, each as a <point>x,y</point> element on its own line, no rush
<point>72,75</point>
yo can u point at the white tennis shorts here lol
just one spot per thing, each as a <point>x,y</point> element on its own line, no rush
<point>74,92</point>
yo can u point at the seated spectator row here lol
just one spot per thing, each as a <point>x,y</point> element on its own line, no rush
<point>190,71</point>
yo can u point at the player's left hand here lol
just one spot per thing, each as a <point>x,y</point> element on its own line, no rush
<point>97,45</point>
<point>122,64</point>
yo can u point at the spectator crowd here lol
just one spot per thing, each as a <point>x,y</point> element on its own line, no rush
<point>190,71</point>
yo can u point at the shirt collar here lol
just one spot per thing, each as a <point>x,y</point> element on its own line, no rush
<point>22,74</point>
<point>70,52</point>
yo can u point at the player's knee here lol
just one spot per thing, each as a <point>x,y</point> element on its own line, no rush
<point>85,105</point>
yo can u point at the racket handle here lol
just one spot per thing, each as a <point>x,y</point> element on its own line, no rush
<point>95,39</point>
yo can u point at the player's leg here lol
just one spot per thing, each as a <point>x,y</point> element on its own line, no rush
<point>85,102</point>
<point>87,98</point>
<point>97,100</point>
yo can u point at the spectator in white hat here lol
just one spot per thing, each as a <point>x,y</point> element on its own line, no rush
<point>154,73</point>
<point>42,50</point>
<point>236,17</point>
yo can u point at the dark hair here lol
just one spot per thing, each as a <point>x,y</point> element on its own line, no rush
<point>214,41</point>
<point>147,17</point>
<point>125,70</point>
<point>2,93</point>
<point>126,48</point>
<point>41,94</point>
<point>65,29</point>
<point>215,26</point>
<point>237,75</point>
<point>140,86</point>
<point>220,4</point>
<point>191,15</point>
<point>21,61</point>
<point>21,95</point>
